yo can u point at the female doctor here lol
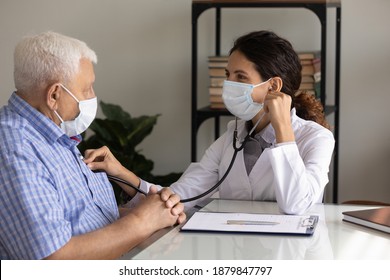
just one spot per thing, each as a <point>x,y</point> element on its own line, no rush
<point>289,146</point>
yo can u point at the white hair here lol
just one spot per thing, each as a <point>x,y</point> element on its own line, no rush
<point>47,58</point>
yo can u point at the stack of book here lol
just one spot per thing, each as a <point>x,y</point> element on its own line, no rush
<point>217,74</point>
<point>311,72</point>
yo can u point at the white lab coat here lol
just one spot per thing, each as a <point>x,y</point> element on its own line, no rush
<point>294,174</point>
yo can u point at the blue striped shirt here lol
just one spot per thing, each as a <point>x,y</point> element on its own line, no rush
<point>47,193</point>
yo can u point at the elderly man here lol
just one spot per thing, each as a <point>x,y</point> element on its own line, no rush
<point>52,205</point>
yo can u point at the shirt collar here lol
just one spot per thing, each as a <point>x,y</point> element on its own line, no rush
<point>46,127</point>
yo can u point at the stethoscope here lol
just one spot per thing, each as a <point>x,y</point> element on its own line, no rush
<point>236,150</point>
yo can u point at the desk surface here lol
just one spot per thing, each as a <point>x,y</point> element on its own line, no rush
<point>333,239</point>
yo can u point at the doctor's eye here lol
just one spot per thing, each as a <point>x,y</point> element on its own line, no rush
<point>242,78</point>
<point>226,73</point>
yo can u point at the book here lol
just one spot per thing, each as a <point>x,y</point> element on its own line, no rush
<point>216,99</point>
<point>306,62</point>
<point>217,105</point>
<point>217,81</point>
<point>215,91</point>
<point>307,70</point>
<point>252,223</point>
<point>217,72</point>
<point>311,72</point>
<point>306,55</point>
<point>223,58</point>
<point>217,64</point>
<point>317,69</point>
<point>306,86</point>
<point>377,218</point>
<point>217,75</point>
<point>307,79</point>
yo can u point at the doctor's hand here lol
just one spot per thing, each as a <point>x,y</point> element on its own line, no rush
<point>103,159</point>
<point>278,107</point>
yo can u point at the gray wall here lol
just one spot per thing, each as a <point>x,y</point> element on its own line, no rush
<point>144,53</point>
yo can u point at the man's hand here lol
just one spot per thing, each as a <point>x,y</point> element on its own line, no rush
<point>172,201</point>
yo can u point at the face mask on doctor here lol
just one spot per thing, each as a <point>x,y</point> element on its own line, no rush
<point>86,116</point>
<point>238,99</point>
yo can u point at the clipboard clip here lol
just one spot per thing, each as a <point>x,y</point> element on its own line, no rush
<point>309,222</point>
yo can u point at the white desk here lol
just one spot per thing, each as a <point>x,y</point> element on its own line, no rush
<point>333,239</point>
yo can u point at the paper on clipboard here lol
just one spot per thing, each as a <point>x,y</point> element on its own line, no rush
<point>254,223</point>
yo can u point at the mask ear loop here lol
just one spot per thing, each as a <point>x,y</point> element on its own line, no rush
<point>71,94</point>
<point>262,116</point>
<point>58,116</point>
<point>262,83</point>
<point>256,124</point>
<point>270,86</point>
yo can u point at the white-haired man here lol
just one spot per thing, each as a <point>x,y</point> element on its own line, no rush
<point>52,205</point>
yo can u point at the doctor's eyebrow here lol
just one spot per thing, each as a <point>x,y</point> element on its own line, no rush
<point>241,74</point>
<point>236,72</point>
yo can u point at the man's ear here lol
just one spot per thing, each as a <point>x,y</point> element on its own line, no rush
<point>276,84</point>
<point>53,96</point>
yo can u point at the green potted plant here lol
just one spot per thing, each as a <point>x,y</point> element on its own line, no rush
<point>122,134</point>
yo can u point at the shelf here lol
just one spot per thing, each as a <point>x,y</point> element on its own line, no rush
<point>319,8</point>
<point>284,3</point>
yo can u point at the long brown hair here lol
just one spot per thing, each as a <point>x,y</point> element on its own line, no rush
<point>274,56</point>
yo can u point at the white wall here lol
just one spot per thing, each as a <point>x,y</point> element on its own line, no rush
<point>144,52</point>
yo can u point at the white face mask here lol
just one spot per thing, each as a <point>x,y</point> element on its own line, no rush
<point>238,99</point>
<point>86,116</point>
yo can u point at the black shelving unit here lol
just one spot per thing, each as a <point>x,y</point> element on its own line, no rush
<point>318,7</point>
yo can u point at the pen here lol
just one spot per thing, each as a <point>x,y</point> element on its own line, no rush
<point>247,222</point>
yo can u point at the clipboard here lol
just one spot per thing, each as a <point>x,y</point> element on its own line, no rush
<point>252,223</point>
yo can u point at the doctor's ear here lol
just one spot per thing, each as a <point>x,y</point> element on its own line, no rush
<point>276,84</point>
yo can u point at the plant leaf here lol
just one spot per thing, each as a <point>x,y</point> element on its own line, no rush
<point>122,133</point>
<point>142,127</point>
<point>112,131</point>
<point>99,126</point>
<point>115,113</point>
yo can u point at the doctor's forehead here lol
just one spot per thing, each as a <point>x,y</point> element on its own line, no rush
<point>238,61</point>
<point>239,64</point>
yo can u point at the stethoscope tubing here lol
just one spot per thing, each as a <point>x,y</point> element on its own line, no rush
<point>236,150</point>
